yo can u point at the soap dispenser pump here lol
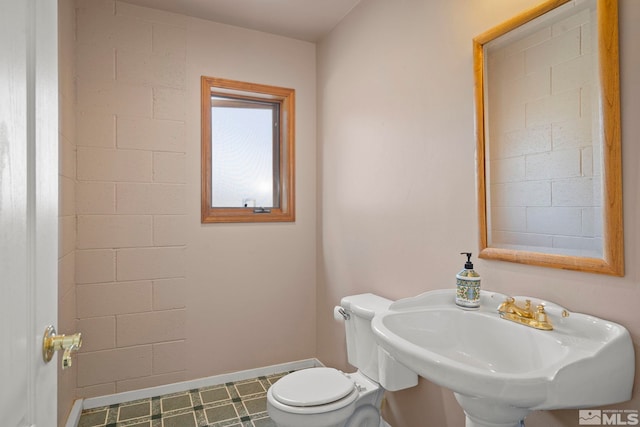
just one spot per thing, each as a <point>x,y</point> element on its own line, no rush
<point>468,286</point>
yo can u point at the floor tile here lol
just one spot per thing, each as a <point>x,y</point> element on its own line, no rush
<point>255,406</point>
<point>215,395</point>
<point>183,420</point>
<point>134,411</point>
<point>93,419</point>
<point>249,388</point>
<point>239,404</point>
<point>264,422</point>
<point>176,402</point>
<point>221,413</point>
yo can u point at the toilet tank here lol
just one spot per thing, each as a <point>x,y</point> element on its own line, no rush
<point>362,348</point>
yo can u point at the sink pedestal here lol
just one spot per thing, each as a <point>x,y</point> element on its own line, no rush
<point>482,412</point>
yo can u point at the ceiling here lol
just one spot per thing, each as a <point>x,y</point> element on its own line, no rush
<point>299,19</point>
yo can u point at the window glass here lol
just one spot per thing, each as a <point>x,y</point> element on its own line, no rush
<point>244,154</point>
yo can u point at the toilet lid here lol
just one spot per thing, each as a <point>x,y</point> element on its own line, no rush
<point>312,387</point>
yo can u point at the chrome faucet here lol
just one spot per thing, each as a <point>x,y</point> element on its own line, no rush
<point>524,315</point>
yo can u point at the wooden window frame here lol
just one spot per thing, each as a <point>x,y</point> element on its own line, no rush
<point>285,212</point>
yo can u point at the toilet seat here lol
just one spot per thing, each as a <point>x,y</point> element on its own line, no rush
<point>313,387</point>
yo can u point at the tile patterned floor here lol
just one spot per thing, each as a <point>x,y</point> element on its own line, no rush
<point>237,404</point>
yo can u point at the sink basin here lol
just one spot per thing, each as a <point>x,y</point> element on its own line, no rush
<point>500,370</point>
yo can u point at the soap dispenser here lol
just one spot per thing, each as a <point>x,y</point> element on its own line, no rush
<point>468,286</point>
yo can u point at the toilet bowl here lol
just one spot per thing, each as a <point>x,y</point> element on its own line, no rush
<point>327,397</point>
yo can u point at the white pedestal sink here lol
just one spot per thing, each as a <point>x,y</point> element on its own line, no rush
<point>500,370</point>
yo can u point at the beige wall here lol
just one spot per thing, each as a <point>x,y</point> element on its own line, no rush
<point>397,178</point>
<point>160,297</point>
<point>253,302</point>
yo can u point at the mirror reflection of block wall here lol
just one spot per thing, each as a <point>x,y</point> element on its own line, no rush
<point>545,174</point>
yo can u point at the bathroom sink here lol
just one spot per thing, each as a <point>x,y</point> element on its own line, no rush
<point>501,370</point>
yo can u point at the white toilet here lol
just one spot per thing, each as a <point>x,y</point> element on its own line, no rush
<point>326,397</point>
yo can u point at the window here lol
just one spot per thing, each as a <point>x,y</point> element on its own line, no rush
<point>247,152</point>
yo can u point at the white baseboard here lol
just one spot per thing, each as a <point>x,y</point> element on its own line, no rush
<point>112,399</point>
<point>74,416</point>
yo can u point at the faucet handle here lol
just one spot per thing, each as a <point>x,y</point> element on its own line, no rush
<point>541,315</point>
<point>505,305</point>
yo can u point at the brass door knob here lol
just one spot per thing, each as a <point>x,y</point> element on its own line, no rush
<point>51,342</point>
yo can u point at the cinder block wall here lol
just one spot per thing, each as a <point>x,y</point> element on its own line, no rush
<point>161,297</point>
<point>131,204</point>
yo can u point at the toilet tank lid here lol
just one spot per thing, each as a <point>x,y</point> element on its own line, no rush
<point>365,305</point>
<point>312,387</point>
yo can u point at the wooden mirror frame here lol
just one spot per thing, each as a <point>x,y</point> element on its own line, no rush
<point>612,261</point>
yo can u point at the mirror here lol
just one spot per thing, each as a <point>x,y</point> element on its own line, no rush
<point>548,138</point>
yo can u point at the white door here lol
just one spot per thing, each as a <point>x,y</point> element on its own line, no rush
<point>28,209</point>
